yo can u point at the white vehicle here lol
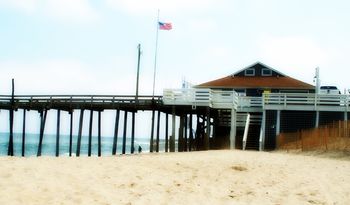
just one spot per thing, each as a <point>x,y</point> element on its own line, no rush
<point>330,90</point>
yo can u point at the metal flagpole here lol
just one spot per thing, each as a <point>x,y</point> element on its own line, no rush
<point>155,57</point>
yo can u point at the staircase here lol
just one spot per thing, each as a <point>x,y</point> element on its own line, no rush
<point>251,134</point>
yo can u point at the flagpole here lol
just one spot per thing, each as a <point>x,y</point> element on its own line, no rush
<point>155,57</point>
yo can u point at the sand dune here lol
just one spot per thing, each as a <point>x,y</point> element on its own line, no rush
<point>213,177</point>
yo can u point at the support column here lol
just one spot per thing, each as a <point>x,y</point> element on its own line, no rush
<point>158,127</point>
<point>58,133</point>
<point>317,120</point>
<point>278,122</point>
<point>71,133</point>
<point>233,129</point>
<point>345,116</point>
<point>166,132</point>
<point>263,126</point>
<point>181,135</point>
<point>173,130</point>
<point>191,133</point>
<point>10,151</point>
<point>152,132</point>
<point>207,135</point>
<point>90,131</point>
<point>124,131</point>
<point>42,128</point>
<point>80,131</point>
<point>24,133</point>
<point>116,128</point>
<point>185,135</point>
<point>132,149</point>
<point>99,151</point>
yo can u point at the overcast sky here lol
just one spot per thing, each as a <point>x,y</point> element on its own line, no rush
<point>90,47</point>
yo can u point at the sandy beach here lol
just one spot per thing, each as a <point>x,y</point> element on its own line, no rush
<point>212,177</point>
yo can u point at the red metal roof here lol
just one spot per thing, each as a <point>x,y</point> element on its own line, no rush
<point>257,82</point>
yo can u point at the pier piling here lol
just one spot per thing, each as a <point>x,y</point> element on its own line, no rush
<point>90,131</point>
<point>58,133</point>
<point>80,131</point>
<point>124,131</point>
<point>132,149</point>
<point>71,133</point>
<point>158,125</point>
<point>99,134</point>
<point>166,132</point>
<point>24,133</point>
<point>43,115</point>
<point>116,127</point>
<point>152,132</point>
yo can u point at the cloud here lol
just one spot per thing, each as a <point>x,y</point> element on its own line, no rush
<point>26,6</point>
<point>73,11</point>
<point>151,6</point>
<point>297,53</point>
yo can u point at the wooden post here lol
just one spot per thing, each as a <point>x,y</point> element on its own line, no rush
<point>158,125</point>
<point>90,131</point>
<point>191,133</point>
<point>185,136</point>
<point>233,129</point>
<point>99,134</point>
<point>166,132</point>
<point>42,128</point>
<point>278,122</point>
<point>132,149</point>
<point>116,127</point>
<point>10,145</point>
<point>81,120</point>
<point>124,131</point>
<point>181,135</point>
<point>198,133</point>
<point>206,136</point>
<point>172,136</point>
<point>152,133</point>
<point>71,133</point>
<point>58,133</point>
<point>24,133</point>
<point>317,120</point>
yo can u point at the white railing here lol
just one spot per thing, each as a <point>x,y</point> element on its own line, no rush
<point>230,99</point>
<point>200,97</point>
<point>246,130</point>
<point>305,99</point>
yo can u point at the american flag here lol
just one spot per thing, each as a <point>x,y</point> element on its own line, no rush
<point>165,26</point>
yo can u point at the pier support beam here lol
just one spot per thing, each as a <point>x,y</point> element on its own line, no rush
<point>278,122</point>
<point>166,132</point>
<point>158,129</point>
<point>132,149</point>
<point>80,131</point>
<point>24,133</point>
<point>181,135</point>
<point>90,131</point>
<point>10,151</point>
<point>58,133</point>
<point>345,116</point>
<point>71,133</point>
<point>207,134</point>
<point>116,127</point>
<point>317,120</point>
<point>152,132</point>
<point>43,115</point>
<point>124,131</point>
<point>99,151</point>
<point>191,134</point>
<point>233,129</point>
<point>185,135</point>
<point>263,131</point>
<point>173,130</point>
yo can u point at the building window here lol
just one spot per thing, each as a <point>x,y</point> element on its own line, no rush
<point>249,72</point>
<point>266,72</point>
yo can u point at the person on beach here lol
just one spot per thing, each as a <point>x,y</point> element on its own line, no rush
<point>140,149</point>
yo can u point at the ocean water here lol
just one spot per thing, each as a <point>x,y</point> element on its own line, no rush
<point>49,145</point>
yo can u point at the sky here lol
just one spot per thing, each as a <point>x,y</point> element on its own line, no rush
<point>90,47</point>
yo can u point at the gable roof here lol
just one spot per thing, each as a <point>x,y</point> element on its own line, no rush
<point>258,63</point>
<point>280,81</point>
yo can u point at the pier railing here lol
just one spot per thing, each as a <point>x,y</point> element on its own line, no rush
<point>77,100</point>
<point>276,101</point>
<point>201,97</point>
<point>306,101</point>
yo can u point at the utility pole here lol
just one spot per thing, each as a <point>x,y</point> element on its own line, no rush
<point>138,73</point>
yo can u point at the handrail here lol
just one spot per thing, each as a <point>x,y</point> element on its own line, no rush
<point>246,130</point>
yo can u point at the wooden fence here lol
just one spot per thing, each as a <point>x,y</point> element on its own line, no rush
<point>334,136</point>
